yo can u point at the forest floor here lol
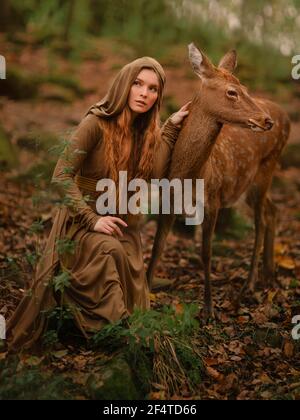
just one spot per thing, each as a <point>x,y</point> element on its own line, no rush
<point>249,354</point>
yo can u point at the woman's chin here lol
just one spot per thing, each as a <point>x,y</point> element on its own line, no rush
<point>138,109</point>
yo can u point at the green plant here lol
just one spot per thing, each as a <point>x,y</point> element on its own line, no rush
<point>157,345</point>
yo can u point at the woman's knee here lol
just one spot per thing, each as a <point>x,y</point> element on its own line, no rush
<point>114,247</point>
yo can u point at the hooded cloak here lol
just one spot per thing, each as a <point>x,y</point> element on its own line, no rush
<point>115,100</point>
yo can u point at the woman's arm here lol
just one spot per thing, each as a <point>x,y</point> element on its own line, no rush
<point>86,136</point>
<point>169,133</point>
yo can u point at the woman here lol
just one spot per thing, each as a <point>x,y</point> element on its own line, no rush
<point>105,270</point>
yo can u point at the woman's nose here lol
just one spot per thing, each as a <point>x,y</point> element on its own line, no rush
<point>144,91</point>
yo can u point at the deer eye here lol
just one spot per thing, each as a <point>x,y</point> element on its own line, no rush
<point>232,93</point>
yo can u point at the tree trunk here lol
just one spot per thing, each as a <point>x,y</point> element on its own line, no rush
<point>5,15</point>
<point>69,19</point>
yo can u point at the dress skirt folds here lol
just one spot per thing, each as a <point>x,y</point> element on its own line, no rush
<point>107,280</point>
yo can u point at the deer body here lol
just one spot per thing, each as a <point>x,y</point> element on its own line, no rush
<point>238,155</point>
<point>232,161</point>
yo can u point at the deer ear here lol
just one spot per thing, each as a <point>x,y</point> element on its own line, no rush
<point>229,61</point>
<point>200,63</point>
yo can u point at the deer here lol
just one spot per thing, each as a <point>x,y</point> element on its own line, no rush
<point>227,139</point>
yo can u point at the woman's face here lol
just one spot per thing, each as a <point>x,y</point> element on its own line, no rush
<point>144,91</point>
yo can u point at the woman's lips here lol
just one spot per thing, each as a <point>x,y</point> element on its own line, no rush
<point>140,103</point>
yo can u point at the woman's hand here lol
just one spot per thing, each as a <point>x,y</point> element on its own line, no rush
<point>179,116</point>
<point>108,225</point>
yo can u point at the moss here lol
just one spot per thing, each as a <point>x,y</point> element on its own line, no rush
<point>149,340</point>
<point>19,85</point>
<point>36,140</point>
<point>51,92</point>
<point>25,383</point>
<point>65,82</point>
<point>36,174</point>
<point>231,225</point>
<point>266,336</point>
<point>221,249</point>
<point>115,382</point>
<point>8,155</point>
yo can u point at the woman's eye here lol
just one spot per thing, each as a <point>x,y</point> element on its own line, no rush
<point>154,89</point>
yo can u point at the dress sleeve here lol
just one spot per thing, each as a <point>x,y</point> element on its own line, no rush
<point>83,140</point>
<point>169,133</point>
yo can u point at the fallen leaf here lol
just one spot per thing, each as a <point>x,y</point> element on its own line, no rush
<point>288,349</point>
<point>286,262</point>
<point>266,395</point>
<point>243,319</point>
<point>211,362</point>
<point>271,295</point>
<point>152,297</point>
<point>179,308</point>
<point>214,373</point>
<point>281,249</point>
<point>60,353</point>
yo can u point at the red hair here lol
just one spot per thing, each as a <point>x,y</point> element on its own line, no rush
<point>129,147</point>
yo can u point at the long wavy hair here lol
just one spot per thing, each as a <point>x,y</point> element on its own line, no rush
<point>129,147</point>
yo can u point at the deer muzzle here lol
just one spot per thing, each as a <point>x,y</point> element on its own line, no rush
<point>264,125</point>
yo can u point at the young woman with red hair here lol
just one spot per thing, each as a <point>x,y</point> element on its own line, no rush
<point>106,272</point>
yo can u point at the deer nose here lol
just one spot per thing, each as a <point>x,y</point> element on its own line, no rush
<point>269,123</point>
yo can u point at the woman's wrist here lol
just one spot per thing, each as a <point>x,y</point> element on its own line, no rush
<point>173,121</point>
<point>93,222</point>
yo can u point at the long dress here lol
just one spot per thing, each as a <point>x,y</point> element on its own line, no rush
<point>107,275</point>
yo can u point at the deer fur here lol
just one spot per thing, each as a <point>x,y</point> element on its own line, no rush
<point>232,160</point>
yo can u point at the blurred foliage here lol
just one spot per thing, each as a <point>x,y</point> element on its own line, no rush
<point>265,33</point>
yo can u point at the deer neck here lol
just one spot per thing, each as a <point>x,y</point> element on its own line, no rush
<point>196,140</point>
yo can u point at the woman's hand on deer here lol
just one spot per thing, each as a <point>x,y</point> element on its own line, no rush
<point>108,225</point>
<point>179,116</point>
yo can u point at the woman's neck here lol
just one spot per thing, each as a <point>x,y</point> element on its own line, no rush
<point>133,117</point>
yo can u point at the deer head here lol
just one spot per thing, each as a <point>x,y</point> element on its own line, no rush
<point>222,96</point>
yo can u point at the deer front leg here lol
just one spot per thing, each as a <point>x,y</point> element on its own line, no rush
<point>165,223</point>
<point>268,257</point>
<point>209,225</point>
